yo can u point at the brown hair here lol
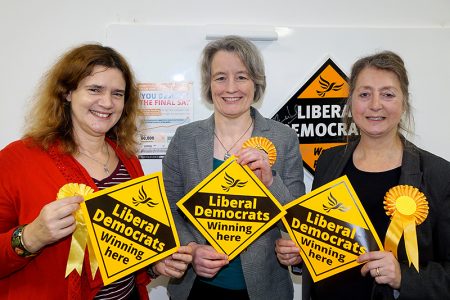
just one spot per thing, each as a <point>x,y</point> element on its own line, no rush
<point>388,61</point>
<point>246,51</point>
<point>49,119</point>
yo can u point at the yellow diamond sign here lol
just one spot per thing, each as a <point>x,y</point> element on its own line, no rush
<point>231,208</point>
<point>331,228</point>
<point>130,226</point>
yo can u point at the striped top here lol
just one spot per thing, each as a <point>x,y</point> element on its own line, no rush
<point>122,288</point>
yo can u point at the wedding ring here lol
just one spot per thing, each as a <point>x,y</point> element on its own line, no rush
<point>378,272</point>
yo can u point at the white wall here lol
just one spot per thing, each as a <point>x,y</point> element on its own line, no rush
<point>33,34</point>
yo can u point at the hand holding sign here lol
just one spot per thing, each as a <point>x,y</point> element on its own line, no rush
<point>207,261</point>
<point>287,252</point>
<point>174,265</point>
<point>383,266</point>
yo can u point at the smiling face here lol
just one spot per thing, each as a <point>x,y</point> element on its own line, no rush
<point>232,89</point>
<point>377,103</point>
<point>97,103</point>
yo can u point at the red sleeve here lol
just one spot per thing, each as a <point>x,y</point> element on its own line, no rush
<point>9,209</point>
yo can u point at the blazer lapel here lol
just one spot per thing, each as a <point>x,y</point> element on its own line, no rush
<point>411,173</point>
<point>205,146</point>
<point>260,124</point>
<point>342,161</point>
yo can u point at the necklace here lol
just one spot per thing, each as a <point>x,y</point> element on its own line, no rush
<point>104,165</point>
<point>227,154</point>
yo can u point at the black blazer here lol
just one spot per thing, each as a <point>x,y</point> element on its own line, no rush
<point>431,175</point>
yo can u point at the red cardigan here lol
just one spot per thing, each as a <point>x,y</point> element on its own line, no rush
<point>30,178</point>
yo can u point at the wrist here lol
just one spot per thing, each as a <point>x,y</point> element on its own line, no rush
<point>152,272</point>
<point>269,184</point>
<point>29,240</point>
<point>17,243</point>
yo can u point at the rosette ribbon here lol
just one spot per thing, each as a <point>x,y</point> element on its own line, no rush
<point>80,236</point>
<point>407,207</point>
<point>264,144</point>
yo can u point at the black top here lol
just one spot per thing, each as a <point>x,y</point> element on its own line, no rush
<point>370,188</point>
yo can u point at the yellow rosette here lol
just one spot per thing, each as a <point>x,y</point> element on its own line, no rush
<point>80,235</point>
<point>407,207</point>
<point>264,144</point>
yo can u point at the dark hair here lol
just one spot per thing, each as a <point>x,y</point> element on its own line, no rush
<point>388,61</point>
<point>50,119</point>
<point>246,51</point>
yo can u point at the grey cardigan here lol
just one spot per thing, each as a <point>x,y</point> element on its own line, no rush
<point>431,175</point>
<point>189,159</point>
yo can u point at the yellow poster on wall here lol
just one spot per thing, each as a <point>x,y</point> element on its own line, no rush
<point>130,226</point>
<point>331,228</point>
<point>231,208</point>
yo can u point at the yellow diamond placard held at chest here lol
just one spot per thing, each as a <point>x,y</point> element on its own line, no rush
<point>130,226</point>
<point>231,208</point>
<point>331,228</point>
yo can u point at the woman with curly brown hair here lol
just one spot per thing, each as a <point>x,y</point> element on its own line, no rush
<point>82,129</point>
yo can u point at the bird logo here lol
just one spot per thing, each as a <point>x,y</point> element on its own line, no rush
<point>231,182</point>
<point>327,86</point>
<point>334,204</point>
<point>144,199</point>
